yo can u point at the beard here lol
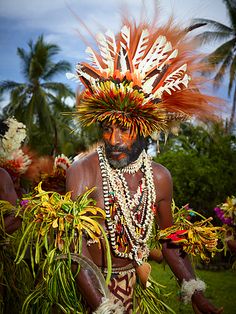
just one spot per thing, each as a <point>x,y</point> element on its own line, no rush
<point>131,154</point>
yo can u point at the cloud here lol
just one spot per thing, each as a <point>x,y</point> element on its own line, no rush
<point>59,16</point>
<point>26,8</point>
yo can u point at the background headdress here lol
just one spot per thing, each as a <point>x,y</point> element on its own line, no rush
<point>12,157</point>
<point>143,78</point>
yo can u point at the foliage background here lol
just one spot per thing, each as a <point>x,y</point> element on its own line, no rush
<point>202,162</point>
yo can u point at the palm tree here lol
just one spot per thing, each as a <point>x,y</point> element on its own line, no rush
<point>223,59</point>
<point>33,102</point>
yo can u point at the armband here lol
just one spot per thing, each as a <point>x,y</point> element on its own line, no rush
<point>189,287</point>
<point>109,307</point>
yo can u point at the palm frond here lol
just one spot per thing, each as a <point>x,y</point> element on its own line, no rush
<point>52,49</point>
<point>60,88</point>
<point>59,105</point>
<point>214,25</point>
<point>57,68</point>
<point>209,36</point>
<point>232,75</point>
<point>18,102</point>
<point>25,58</point>
<point>43,111</point>
<point>231,8</point>
<point>222,70</point>
<point>18,99</point>
<point>220,53</point>
<point>41,44</point>
<point>195,26</point>
<point>9,85</point>
<point>35,70</point>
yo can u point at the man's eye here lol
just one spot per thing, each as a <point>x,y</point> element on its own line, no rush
<point>106,129</point>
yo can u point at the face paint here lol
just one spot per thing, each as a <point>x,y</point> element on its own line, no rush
<point>121,147</point>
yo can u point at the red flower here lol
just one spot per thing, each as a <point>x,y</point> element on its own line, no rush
<point>175,236</point>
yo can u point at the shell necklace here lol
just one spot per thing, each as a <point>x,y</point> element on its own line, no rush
<point>129,219</point>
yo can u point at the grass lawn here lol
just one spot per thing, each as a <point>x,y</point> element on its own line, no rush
<point>221,288</point>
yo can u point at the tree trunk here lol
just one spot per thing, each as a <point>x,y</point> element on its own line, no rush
<point>232,116</point>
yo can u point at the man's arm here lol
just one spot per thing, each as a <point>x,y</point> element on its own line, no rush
<point>76,181</point>
<point>7,189</point>
<point>177,260</point>
<point>86,282</point>
<point>8,193</point>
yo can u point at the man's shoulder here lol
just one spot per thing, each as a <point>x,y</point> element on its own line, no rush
<point>160,171</point>
<point>85,160</point>
<point>4,175</point>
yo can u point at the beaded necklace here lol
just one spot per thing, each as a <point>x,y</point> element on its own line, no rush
<point>129,219</point>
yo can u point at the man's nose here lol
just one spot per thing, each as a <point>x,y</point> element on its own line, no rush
<point>115,138</point>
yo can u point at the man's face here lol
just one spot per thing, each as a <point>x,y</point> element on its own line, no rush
<point>121,147</point>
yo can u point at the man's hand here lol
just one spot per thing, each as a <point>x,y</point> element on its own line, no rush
<point>232,245</point>
<point>201,305</point>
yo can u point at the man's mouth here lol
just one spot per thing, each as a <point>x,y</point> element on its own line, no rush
<point>117,155</point>
<point>116,152</point>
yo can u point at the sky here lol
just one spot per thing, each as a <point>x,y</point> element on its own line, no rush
<point>23,20</point>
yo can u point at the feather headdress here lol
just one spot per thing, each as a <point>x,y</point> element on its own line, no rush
<point>142,78</point>
<point>12,157</point>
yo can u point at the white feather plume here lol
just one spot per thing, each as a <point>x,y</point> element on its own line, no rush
<point>173,55</point>
<point>123,64</point>
<point>80,72</point>
<point>93,58</point>
<point>148,85</point>
<point>173,81</point>
<point>111,42</point>
<point>105,51</point>
<point>142,45</point>
<point>162,55</point>
<point>125,34</point>
<point>150,59</point>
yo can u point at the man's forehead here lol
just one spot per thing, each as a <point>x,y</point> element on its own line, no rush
<point>116,124</point>
<point>119,125</point>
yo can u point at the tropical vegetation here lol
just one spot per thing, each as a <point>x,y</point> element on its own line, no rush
<point>202,162</point>
<point>223,59</point>
<point>39,101</point>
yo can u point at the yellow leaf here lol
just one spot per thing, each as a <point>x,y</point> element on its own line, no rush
<point>46,204</point>
<point>94,210</point>
<point>190,235</point>
<point>55,223</point>
<point>43,194</point>
<point>91,234</point>
<point>92,222</point>
<point>67,196</point>
<point>69,218</point>
<point>61,224</point>
<point>79,226</point>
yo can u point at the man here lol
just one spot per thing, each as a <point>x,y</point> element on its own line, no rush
<point>135,87</point>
